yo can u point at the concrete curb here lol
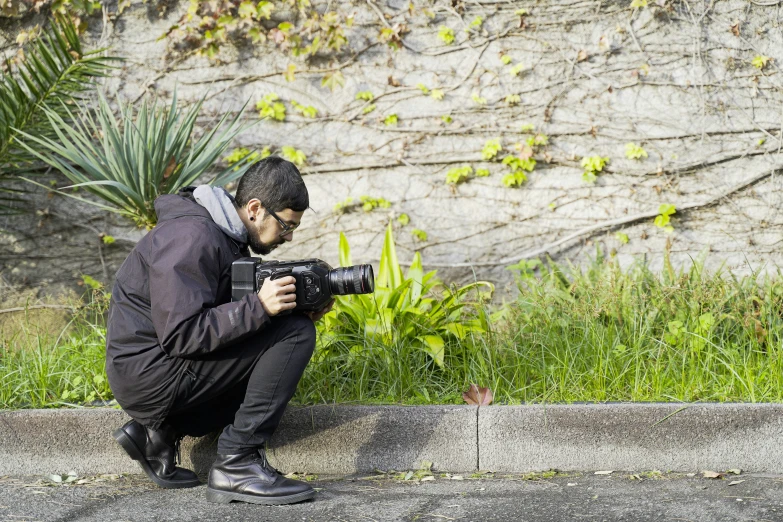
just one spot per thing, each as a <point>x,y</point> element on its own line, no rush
<point>318,439</point>
<point>640,436</point>
<point>350,439</point>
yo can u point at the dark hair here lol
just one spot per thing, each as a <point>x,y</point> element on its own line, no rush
<point>275,182</point>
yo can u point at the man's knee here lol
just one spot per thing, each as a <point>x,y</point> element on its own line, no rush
<point>303,329</point>
<point>307,331</point>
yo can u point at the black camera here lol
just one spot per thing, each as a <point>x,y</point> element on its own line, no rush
<point>316,281</point>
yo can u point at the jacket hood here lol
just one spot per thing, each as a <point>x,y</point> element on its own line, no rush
<point>221,207</point>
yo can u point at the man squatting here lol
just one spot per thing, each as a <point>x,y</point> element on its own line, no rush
<point>182,359</point>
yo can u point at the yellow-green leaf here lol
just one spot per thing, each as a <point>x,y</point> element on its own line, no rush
<point>446,34</point>
<point>333,80</point>
<point>634,151</point>
<point>760,61</point>
<point>435,347</point>
<point>289,72</point>
<point>345,251</point>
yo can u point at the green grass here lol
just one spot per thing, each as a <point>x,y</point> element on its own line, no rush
<point>42,368</point>
<point>594,334</point>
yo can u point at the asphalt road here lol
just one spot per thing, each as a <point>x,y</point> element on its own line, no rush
<point>630,496</point>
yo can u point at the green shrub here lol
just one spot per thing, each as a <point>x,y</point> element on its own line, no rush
<point>369,345</point>
<point>57,74</point>
<point>416,309</point>
<point>130,161</point>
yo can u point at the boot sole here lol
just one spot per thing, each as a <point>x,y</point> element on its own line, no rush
<point>225,497</point>
<point>126,442</point>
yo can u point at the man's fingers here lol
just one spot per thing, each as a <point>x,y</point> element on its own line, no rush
<point>286,289</point>
<point>287,298</point>
<point>287,306</point>
<point>288,280</point>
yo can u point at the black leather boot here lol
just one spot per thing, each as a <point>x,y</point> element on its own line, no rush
<point>248,477</point>
<point>158,454</point>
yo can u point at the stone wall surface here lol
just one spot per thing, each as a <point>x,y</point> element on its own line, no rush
<point>674,77</point>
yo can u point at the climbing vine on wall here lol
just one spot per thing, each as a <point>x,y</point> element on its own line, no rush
<point>78,11</point>
<point>208,26</point>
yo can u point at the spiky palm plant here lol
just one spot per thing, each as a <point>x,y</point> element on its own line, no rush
<point>53,71</point>
<point>129,161</point>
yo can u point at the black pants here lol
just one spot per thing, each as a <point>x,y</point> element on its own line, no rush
<point>245,388</point>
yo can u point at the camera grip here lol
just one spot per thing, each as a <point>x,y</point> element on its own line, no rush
<point>277,274</point>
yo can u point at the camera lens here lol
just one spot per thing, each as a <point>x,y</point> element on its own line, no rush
<point>358,279</point>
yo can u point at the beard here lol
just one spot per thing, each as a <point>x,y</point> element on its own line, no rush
<point>260,248</point>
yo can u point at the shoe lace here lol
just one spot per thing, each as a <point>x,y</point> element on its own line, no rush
<point>177,452</point>
<point>261,457</point>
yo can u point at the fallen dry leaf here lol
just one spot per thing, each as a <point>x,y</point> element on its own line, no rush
<point>581,56</point>
<point>478,396</point>
<point>734,471</point>
<point>426,479</point>
<point>735,482</point>
<point>711,474</point>
<point>608,472</point>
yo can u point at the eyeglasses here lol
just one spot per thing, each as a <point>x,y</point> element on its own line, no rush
<point>287,229</point>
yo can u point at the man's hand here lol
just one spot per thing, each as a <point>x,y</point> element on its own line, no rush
<point>315,316</point>
<point>278,295</point>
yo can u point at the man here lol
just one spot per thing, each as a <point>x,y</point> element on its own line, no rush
<point>184,360</point>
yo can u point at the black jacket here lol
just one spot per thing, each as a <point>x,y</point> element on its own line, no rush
<point>171,303</point>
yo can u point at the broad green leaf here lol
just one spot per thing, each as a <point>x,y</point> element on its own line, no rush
<point>458,330</point>
<point>345,251</point>
<point>389,273</point>
<point>706,321</point>
<point>435,347</point>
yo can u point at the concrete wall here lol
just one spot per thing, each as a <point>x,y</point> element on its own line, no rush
<point>672,77</point>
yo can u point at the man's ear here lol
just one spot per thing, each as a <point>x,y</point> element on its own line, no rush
<point>254,208</point>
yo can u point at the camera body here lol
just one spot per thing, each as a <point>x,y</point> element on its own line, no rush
<point>316,281</point>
